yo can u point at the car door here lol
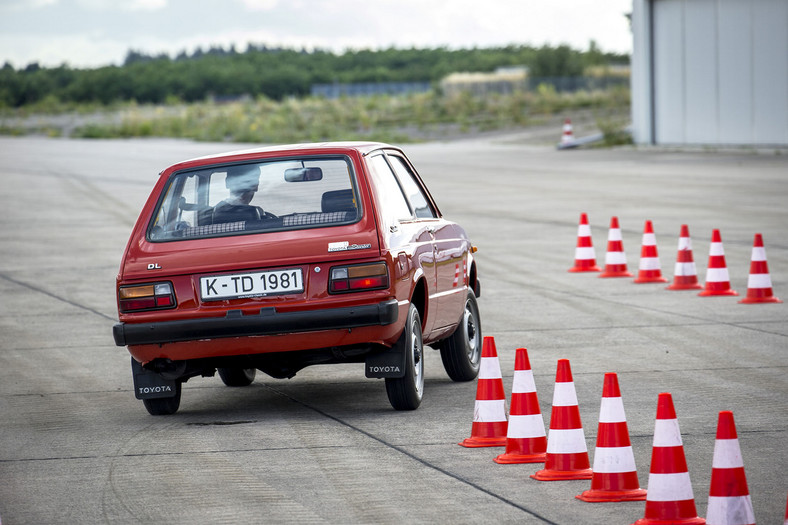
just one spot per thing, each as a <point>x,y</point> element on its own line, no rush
<point>449,249</point>
<point>409,239</point>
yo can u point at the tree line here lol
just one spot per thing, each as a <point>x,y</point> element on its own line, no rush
<point>275,73</point>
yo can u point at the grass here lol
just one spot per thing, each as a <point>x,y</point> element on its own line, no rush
<point>396,119</point>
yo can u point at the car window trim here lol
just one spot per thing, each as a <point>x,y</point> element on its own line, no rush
<point>417,179</point>
<point>208,167</point>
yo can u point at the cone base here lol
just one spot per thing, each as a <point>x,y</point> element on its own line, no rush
<point>641,280</point>
<point>755,300</point>
<point>709,293</point>
<point>615,274</point>
<point>599,496</point>
<point>475,442</point>
<point>510,459</point>
<point>594,268</point>
<point>559,475</point>
<point>674,521</point>
<point>677,286</point>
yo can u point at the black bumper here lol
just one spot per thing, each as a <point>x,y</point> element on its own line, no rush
<point>267,322</point>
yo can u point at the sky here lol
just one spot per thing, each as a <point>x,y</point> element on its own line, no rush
<point>94,33</point>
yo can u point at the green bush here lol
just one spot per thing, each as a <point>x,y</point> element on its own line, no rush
<point>386,118</point>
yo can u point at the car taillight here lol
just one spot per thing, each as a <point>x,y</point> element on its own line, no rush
<point>155,296</point>
<point>358,278</point>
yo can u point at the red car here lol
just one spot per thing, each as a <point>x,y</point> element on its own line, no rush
<point>278,258</point>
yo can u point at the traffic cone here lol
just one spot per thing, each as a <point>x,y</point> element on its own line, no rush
<point>786,512</point>
<point>615,258</point>
<point>614,477</point>
<point>685,276</point>
<point>729,497</point>
<point>585,258</point>
<point>489,411</point>
<point>718,281</point>
<point>649,270</point>
<point>759,284</point>
<point>567,454</point>
<point>567,137</point>
<point>526,441</point>
<point>669,499</point>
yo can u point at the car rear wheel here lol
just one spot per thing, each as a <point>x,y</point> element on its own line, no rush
<point>164,406</point>
<point>237,376</point>
<point>405,392</point>
<point>462,351</point>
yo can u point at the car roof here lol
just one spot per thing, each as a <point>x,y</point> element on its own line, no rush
<point>315,148</point>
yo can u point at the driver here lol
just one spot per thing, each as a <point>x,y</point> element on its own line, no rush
<point>243,182</point>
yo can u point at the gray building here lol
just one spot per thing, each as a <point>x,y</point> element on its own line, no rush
<point>710,72</point>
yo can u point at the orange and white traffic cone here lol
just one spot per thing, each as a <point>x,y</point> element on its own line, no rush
<point>614,477</point>
<point>649,270</point>
<point>567,136</point>
<point>718,282</point>
<point>759,284</point>
<point>786,512</point>
<point>729,497</point>
<point>489,411</point>
<point>615,258</point>
<point>567,454</point>
<point>526,441</point>
<point>685,276</point>
<point>585,258</point>
<point>669,499</point>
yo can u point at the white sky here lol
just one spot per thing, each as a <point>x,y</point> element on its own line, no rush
<point>91,33</point>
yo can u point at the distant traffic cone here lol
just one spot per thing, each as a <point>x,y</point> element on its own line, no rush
<point>685,276</point>
<point>614,477</point>
<point>567,454</point>
<point>649,270</point>
<point>615,258</point>
<point>729,497</point>
<point>718,282</point>
<point>759,284</point>
<point>585,258</point>
<point>669,499</point>
<point>489,411</point>
<point>526,441</point>
<point>567,137</point>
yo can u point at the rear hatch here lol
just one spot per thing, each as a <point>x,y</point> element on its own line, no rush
<point>304,217</point>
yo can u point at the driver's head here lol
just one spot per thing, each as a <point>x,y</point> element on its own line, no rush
<point>243,181</point>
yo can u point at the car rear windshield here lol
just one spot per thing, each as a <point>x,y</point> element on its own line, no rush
<point>274,195</point>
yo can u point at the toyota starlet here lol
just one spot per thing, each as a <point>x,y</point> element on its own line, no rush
<point>279,258</point>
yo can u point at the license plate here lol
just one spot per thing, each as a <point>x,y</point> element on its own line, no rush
<point>255,284</point>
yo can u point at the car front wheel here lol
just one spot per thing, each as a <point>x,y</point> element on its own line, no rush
<point>405,392</point>
<point>237,376</point>
<point>164,406</point>
<point>462,351</point>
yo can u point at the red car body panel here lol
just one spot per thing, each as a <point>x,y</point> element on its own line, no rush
<point>431,255</point>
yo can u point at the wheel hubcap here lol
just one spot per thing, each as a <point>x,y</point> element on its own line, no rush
<point>417,354</point>
<point>471,334</point>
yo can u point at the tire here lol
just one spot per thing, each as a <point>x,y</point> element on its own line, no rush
<point>164,406</point>
<point>405,393</point>
<point>237,376</point>
<point>462,351</point>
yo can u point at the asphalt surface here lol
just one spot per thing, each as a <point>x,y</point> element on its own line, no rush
<point>325,446</point>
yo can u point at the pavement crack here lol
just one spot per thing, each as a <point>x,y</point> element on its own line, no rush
<point>55,296</point>
<point>413,456</point>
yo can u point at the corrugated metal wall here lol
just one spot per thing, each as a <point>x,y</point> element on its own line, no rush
<point>710,72</point>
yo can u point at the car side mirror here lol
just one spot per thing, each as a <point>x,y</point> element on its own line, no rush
<point>303,174</point>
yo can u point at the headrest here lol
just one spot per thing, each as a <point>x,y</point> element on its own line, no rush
<point>242,178</point>
<point>338,200</point>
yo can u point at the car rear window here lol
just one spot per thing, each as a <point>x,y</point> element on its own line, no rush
<point>274,195</point>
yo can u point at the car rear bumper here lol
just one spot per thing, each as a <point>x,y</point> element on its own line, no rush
<point>268,322</point>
